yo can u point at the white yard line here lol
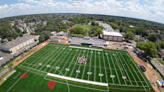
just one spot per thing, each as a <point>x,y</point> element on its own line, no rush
<point>109,66</point>
<point>55,58</point>
<point>20,78</point>
<point>80,65</point>
<point>99,66</point>
<point>90,66</point>
<point>15,82</point>
<point>115,68</point>
<point>63,67</point>
<point>51,57</point>
<point>126,85</point>
<point>105,70</point>
<point>70,63</point>
<point>120,67</point>
<point>128,68</point>
<point>34,55</point>
<point>85,48</point>
<point>125,69</point>
<point>138,69</point>
<point>74,64</point>
<point>141,75</point>
<point>41,56</point>
<point>84,67</point>
<point>77,80</point>
<point>32,69</point>
<point>79,86</point>
<point>95,68</point>
<point>62,59</point>
<point>17,75</point>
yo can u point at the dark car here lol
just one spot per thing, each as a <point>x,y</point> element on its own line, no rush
<point>142,68</point>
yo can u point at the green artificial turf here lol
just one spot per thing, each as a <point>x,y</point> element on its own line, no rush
<point>106,62</point>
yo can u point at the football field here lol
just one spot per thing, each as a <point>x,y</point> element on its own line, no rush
<point>78,69</point>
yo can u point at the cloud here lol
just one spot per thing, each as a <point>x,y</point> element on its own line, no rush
<point>79,0</point>
<point>30,1</point>
<point>128,8</point>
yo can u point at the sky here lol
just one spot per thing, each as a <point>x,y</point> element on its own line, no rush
<point>152,10</point>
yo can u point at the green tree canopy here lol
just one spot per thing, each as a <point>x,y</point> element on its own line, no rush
<point>77,30</point>
<point>129,36</point>
<point>152,37</point>
<point>114,26</point>
<point>94,31</point>
<point>41,38</point>
<point>149,48</point>
<point>162,44</point>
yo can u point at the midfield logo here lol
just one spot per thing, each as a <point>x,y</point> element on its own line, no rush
<point>82,59</point>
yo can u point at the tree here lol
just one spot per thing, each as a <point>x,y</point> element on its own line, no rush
<point>64,30</point>
<point>162,44</point>
<point>41,38</point>
<point>95,31</point>
<point>149,48</point>
<point>158,46</point>
<point>122,29</point>
<point>129,36</point>
<point>94,23</point>
<point>114,26</point>
<point>99,31</point>
<point>152,37</point>
<point>77,30</point>
<point>9,39</point>
<point>2,41</point>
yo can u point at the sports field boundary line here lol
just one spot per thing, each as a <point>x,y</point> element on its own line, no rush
<point>51,58</point>
<point>78,80</point>
<point>133,61</point>
<point>77,85</point>
<point>126,85</point>
<point>61,61</point>
<point>17,75</point>
<point>85,48</point>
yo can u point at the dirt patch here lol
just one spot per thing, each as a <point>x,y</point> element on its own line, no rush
<point>71,28</point>
<point>150,73</point>
<point>116,45</point>
<point>24,75</point>
<point>51,84</point>
<point>20,59</point>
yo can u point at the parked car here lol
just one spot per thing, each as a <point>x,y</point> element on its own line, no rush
<point>142,68</point>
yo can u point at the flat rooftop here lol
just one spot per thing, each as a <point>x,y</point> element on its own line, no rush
<point>17,41</point>
<point>112,33</point>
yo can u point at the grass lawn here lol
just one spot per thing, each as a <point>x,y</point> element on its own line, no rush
<point>161,61</point>
<point>85,27</point>
<point>78,69</point>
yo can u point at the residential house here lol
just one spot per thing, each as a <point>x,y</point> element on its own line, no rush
<point>139,38</point>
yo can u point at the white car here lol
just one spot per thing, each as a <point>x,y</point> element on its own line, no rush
<point>159,83</point>
<point>1,58</point>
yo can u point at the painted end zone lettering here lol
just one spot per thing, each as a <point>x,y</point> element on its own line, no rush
<point>78,80</point>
